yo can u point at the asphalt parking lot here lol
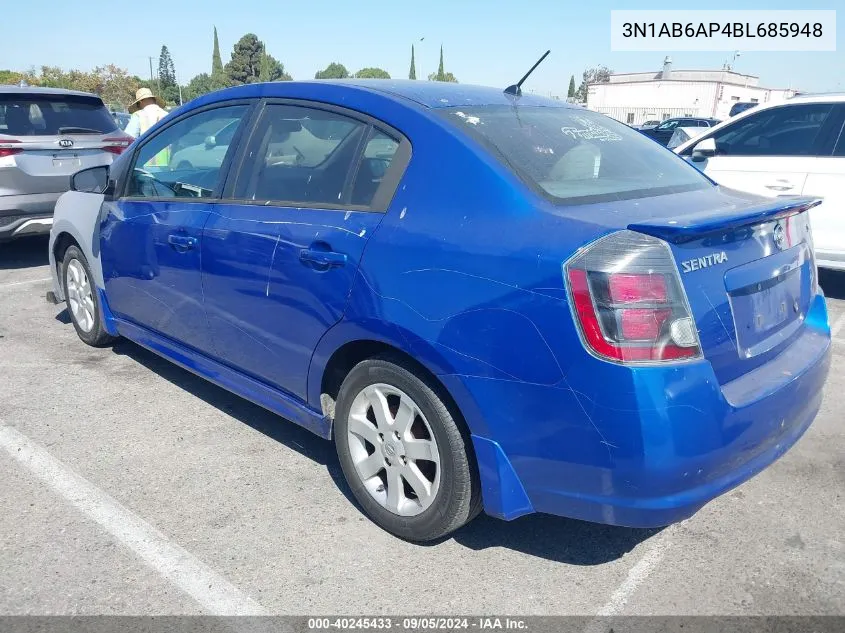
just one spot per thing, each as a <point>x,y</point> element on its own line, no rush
<point>129,486</point>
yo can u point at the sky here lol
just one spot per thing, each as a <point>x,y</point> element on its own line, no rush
<point>490,42</point>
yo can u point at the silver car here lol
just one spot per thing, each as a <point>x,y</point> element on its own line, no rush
<point>46,135</point>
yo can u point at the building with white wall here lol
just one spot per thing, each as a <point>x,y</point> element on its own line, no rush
<point>635,98</point>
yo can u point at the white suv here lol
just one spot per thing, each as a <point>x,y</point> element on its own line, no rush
<point>796,147</point>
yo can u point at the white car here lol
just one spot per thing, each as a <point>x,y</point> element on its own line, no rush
<point>795,147</point>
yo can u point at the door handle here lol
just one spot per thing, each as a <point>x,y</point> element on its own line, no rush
<point>182,242</point>
<point>323,259</point>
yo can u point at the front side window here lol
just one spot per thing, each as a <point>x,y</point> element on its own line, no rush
<point>185,160</point>
<point>574,155</point>
<point>306,156</point>
<point>783,131</point>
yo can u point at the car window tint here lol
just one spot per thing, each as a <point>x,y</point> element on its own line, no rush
<point>301,156</point>
<point>575,156</point>
<point>52,115</point>
<point>378,153</point>
<point>668,125</point>
<point>185,159</point>
<point>782,131</point>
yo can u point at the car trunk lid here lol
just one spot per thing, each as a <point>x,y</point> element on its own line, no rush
<point>749,275</point>
<point>43,164</point>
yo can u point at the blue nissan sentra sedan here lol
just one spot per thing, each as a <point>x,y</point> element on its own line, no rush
<point>487,301</point>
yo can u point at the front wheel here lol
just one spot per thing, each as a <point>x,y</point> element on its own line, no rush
<point>402,453</point>
<point>83,303</point>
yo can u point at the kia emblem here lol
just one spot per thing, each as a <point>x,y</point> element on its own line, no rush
<point>65,142</point>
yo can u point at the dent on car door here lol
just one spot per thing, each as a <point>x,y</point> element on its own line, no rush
<point>770,152</point>
<point>151,237</point>
<point>279,259</point>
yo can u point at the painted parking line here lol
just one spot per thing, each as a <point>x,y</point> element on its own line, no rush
<point>641,570</point>
<point>213,592</point>
<point>24,283</point>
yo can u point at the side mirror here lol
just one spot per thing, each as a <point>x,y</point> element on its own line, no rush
<point>704,149</point>
<point>91,180</point>
<point>210,142</point>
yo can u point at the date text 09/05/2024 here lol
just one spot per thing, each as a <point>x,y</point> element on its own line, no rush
<point>728,29</point>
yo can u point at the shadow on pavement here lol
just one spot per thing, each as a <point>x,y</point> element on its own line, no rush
<point>25,252</point>
<point>558,539</point>
<point>833,283</point>
<point>554,538</point>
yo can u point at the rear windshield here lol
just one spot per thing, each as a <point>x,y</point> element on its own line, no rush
<point>51,115</point>
<point>574,156</point>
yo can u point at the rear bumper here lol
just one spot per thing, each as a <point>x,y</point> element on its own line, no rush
<point>644,447</point>
<point>26,214</point>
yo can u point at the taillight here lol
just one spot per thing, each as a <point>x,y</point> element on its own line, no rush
<point>628,301</point>
<point>814,269</point>
<point>9,148</point>
<point>116,145</point>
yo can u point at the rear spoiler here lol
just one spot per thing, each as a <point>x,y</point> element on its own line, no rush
<point>686,227</point>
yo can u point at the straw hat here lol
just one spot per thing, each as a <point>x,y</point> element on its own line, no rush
<point>144,93</point>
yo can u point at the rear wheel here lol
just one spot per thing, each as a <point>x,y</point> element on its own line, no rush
<point>83,303</point>
<point>402,453</point>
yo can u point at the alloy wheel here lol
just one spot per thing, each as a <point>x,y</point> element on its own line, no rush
<point>393,449</point>
<point>80,296</point>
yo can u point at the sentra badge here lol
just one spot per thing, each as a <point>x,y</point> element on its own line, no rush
<point>704,262</point>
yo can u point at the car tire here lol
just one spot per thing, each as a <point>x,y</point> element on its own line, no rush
<point>82,299</point>
<point>416,419</point>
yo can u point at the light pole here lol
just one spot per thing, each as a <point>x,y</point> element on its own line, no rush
<point>420,41</point>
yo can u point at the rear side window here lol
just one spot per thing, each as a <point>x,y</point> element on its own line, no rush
<point>309,157</point>
<point>53,115</point>
<point>783,131</point>
<point>575,156</point>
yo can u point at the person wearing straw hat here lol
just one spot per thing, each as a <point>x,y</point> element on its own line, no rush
<point>146,111</point>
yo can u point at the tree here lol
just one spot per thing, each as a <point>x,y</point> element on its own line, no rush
<point>116,86</point>
<point>271,69</point>
<point>571,92</point>
<point>218,75</point>
<point>265,68</point>
<point>597,75</point>
<point>216,61</point>
<point>372,73</point>
<point>198,86</point>
<point>332,71</point>
<point>412,74</point>
<point>441,74</point>
<point>245,64</point>
<point>447,77</point>
<point>13,77</point>
<point>166,70</point>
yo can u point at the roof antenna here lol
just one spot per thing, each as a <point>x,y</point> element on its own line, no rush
<point>516,89</point>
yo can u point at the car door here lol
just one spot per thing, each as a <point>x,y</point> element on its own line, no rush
<point>281,252</point>
<point>827,180</point>
<point>769,152</point>
<point>151,237</point>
